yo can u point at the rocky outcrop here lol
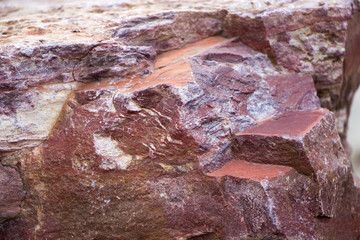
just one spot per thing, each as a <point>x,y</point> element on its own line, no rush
<point>209,122</point>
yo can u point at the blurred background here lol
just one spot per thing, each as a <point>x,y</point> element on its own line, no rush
<point>353,135</point>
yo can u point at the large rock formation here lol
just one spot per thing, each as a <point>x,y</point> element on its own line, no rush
<point>11,193</point>
<point>178,121</point>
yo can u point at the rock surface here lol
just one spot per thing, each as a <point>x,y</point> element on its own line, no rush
<point>11,193</point>
<point>178,121</point>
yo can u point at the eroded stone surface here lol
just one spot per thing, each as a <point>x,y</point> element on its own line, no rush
<point>128,121</point>
<point>11,193</point>
<point>277,205</point>
<point>68,46</point>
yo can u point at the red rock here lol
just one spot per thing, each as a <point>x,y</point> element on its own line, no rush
<point>275,208</point>
<point>248,170</point>
<point>11,193</point>
<point>170,30</point>
<point>219,138</point>
<point>292,123</point>
<point>300,140</point>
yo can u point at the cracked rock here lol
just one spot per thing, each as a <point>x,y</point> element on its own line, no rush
<point>172,120</point>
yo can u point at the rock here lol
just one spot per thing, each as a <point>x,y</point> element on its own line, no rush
<point>29,66</point>
<point>11,193</point>
<point>27,117</point>
<point>170,30</point>
<point>307,38</point>
<point>293,139</point>
<point>178,121</point>
<point>272,199</point>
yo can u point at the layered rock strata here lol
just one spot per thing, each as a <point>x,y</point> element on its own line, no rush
<point>213,121</point>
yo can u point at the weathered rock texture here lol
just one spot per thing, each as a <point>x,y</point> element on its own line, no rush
<point>11,193</point>
<point>171,120</point>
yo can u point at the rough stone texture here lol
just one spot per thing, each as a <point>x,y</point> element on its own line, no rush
<point>174,120</point>
<point>294,140</point>
<point>11,193</point>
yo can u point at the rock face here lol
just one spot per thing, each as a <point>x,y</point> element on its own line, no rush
<point>178,121</point>
<point>11,193</point>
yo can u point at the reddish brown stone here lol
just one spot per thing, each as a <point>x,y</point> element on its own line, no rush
<point>11,193</point>
<point>275,208</point>
<point>291,123</point>
<point>170,30</point>
<point>299,139</point>
<point>248,170</point>
<point>216,139</point>
<point>132,152</point>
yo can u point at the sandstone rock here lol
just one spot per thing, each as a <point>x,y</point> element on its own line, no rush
<point>178,121</point>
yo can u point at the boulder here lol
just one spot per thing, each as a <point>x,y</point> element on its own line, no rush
<point>178,120</point>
